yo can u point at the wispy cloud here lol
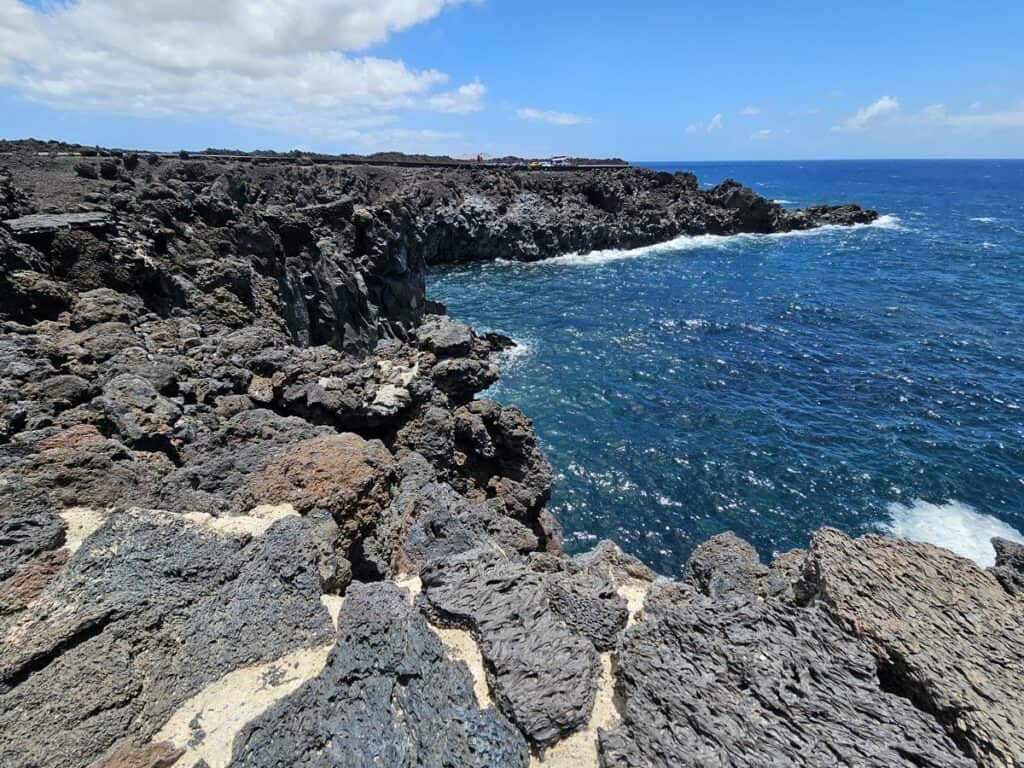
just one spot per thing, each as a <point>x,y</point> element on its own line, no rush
<point>887,111</point>
<point>972,120</point>
<point>704,129</point>
<point>885,107</point>
<point>769,133</point>
<point>552,117</point>
<point>750,110</point>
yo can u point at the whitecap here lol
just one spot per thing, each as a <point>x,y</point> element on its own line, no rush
<point>954,526</point>
<point>985,219</point>
<point>512,356</point>
<point>696,242</point>
<point>784,202</point>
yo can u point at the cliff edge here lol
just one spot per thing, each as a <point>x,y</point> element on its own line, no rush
<point>253,513</point>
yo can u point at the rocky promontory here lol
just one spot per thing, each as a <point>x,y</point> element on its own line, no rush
<point>252,511</point>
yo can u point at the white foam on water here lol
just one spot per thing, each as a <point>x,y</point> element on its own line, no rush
<point>511,358</point>
<point>985,219</point>
<point>697,242</point>
<point>783,202</point>
<point>954,525</point>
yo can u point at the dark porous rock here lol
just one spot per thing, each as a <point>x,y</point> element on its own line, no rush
<point>26,295</point>
<point>28,525</point>
<point>110,168</point>
<point>741,683</point>
<point>79,467</point>
<point>13,200</point>
<point>666,595</point>
<point>500,461</point>
<point>219,467</point>
<point>151,609</point>
<point>588,603</point>
<point>726,566</point>
<point>138,414</point>
<point>543,674</point>
<point>427,519</point>
<point>1009,567</point>
<point>87,170</point>
<point>445,337</point>
<point>388,696</point>
<point>29,579</point>
<point>841,215</point>
<point>785,575</point>
<point>751,212</point>
<point>945,634</point>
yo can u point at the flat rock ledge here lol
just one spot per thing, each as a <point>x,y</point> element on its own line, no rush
<point>253,511</point>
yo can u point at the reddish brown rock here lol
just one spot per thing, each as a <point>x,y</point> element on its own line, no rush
<point>161,755</point>
<point>344,474</point>
<point>29,580</point>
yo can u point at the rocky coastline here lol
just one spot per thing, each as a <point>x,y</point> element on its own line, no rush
<point>253,513</point>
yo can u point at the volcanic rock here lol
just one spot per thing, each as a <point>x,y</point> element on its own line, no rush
<point>945,634</point>
<point>1009,567</point>
<point>387,696</point>
<point>737,683</point>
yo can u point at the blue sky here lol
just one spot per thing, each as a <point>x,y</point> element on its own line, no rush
<point>641,80</point>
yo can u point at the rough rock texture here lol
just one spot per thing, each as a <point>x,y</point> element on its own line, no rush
<point>226,405</point>
<point>542,673</point>
<point>945,634</point>
<point>725,566</point>
<point>388,696</point>
<point>151,608</point>
<point>1009,567</point>
<point>733,682</point>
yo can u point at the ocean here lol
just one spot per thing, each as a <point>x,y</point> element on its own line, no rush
<point>870,379</point>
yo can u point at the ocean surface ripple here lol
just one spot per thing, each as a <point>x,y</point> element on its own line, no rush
<point>869,378</point>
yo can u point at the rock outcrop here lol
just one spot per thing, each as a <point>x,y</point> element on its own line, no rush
<point>944,633</point>
<point>231,425</point>
<point>388,695</point>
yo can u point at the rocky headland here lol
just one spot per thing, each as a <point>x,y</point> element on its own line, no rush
<point>253,513</point>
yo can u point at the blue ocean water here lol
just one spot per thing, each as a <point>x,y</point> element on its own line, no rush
<point>868,378</point>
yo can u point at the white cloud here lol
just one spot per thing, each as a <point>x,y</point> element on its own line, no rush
<point>887,106</point>
<point>703,129</point>
<point>468,98</point>
<point>887,111</point>
<point>234,59</point>
<point>769,133</point>
<point>750,110</point>
<point>972,121</point>
<point>554,118</point>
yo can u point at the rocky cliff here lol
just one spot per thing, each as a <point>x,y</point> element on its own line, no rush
<point>252,513</point>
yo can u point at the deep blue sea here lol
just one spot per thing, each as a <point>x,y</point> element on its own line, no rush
<point>869,378</point>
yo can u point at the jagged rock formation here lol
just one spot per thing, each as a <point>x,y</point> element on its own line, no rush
<point>945,634</point>
<point>387,695</point>
<point>1009,567</point>
<point>229,417</point>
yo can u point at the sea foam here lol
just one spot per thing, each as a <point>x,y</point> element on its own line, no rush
<point>954,526</point>
<point>697,242</point>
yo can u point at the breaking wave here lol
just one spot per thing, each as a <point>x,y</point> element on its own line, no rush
<point>697,242</point>
<point>954,525</point>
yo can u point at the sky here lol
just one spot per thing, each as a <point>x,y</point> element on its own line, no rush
<point>642,80</point>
